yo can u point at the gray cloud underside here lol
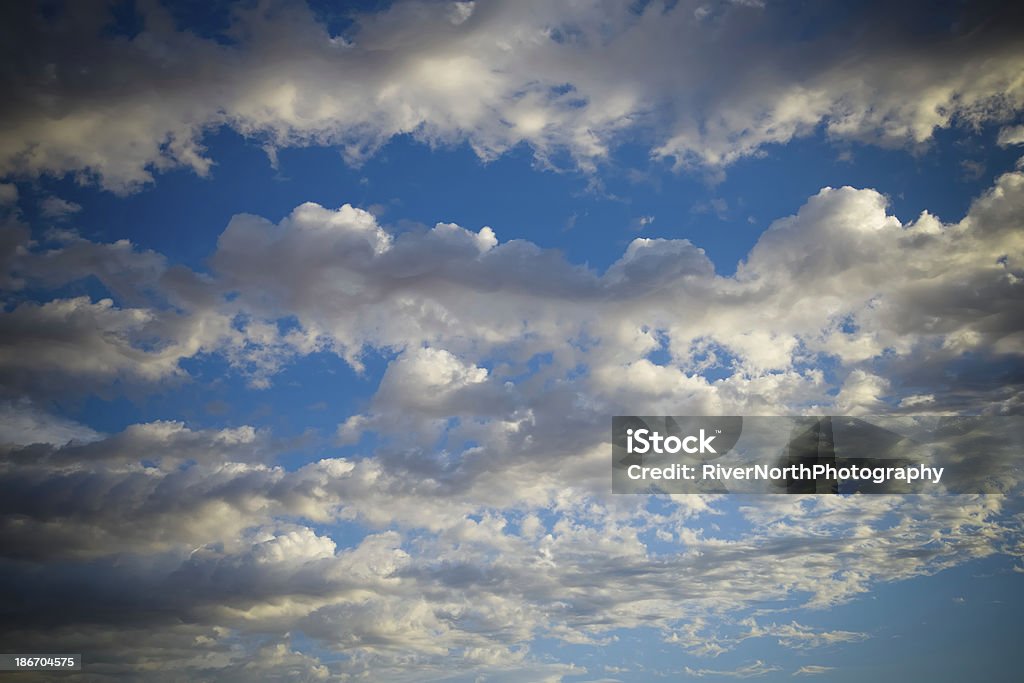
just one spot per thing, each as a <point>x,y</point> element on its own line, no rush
<point>701,83</point>
<point>176,549</point>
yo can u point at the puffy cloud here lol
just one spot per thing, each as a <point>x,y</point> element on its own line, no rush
<point>217,553</point>
<point>482,505</point>
<point>80,345</point>
<point>861,394</point>
<point>841,279</point>
<point>157,315</point>
<point>515,340</point>
<point>99,332</point>
<point>704,83</point>
<point>445,385</point>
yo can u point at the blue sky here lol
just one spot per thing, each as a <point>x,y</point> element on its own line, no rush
<point>315,317</point>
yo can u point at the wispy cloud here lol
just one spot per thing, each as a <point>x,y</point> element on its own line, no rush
<point>758,668</point>
<point>56,208</point>
<point>813,670</point>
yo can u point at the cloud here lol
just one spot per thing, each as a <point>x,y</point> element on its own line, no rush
<point>758,668</point>
<point>147,488</point>
<point>798,636</point>
<point>481,507</point>
<point>508,336</point>
<point>8,194</point>
<point>475,519</point>
<point>22,423</point>
<point>56,208</point>
<point>1011,135</point>
<point>681,76</point>
<point>640,222</point>
<point>698,639</point>
<point>46,346</point>
<point>162,529</point>
<point>813,670</point>
<point>842,279</point>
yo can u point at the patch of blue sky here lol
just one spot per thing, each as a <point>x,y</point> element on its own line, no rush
<point>928,628</point>
<point>642,654</point>
<point>918,630</point>
<point>89,287</point>
<point>346,533</point>
<point>711,360</point>
<point>591,224</point>
<point>515,371</point>
<point>338,17</point>
<point>241,181</point>
<point>308,398</point>
<point>125,21</point>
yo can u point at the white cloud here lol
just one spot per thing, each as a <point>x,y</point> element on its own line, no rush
<point>200,537</point>
<point>813,670</point>
<point>758,668</point>
<point>842,280</point>
<point>798,636</point>
<point>496,76</point>
<point>1011,135</point>
<point>640,222</point>
<point>861,394</point>
<point>504,363</point>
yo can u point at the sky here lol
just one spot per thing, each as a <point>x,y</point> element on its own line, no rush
<point>315,316</point>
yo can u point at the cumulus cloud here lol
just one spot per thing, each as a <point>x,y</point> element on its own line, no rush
<point>206,547</point>
<point>841,279</point>
<point>38,336</point>
<point>482,503</point>
<point>704,83</point>
<point>893,306</point>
